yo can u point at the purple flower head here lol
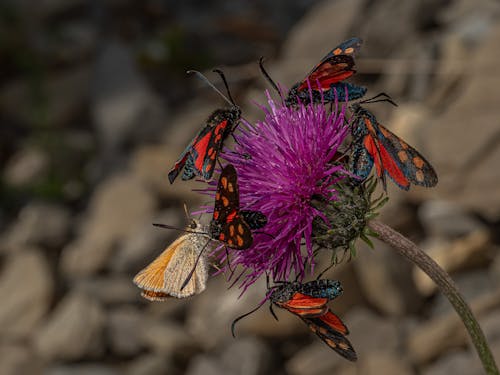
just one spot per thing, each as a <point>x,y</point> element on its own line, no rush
<point>283,163</point>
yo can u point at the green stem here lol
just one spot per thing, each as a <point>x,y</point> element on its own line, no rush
<point>444,282</point>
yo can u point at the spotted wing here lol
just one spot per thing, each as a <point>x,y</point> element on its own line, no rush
<point>331,330</point>
<point>336,66</point>
<point>183,162</point>
<point>411,163</point>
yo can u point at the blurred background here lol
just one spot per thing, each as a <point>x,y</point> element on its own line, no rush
<point>95,107</point>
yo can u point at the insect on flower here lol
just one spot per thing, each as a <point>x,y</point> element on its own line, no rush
<point>200,156</point>
<point>376,145</point>
<point>309,301</point>
<point>182,260</point>
<point>324,83</point>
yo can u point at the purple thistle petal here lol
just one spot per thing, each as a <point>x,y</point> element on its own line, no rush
<point>282,163</point>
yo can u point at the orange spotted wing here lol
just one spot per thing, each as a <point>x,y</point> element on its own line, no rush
<point>376,145</point>
<point>227,223</point>
<point>308,301</point>
<point>200,156</point>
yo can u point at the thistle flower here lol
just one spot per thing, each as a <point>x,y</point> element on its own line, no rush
<point>285,162</point>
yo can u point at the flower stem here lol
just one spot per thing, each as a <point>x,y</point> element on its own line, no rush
<point>444,282</point>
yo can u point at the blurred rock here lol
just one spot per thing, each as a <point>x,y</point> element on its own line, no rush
<point>119,206</point>
<point>386,280</point>
<point>18,359</point>
<point>73,331</point>
<point>314,359</point>
<point>456,363</point>
<point>149,364</point>
<point>144,244</point>
<point>166,337</point>
<point>247,356</point>
<point>446,219</point>
<point>124,330</point>
<point>361,321</point>
<point>124,109</point>
<point>479,151</point>
<point>39,223</point>
<point>429,340</point>
<point>26,167</point>
<point>467,252</point>
<point>376,363</point>
<point>151,165</point>
<point>83,369</point>
<point>205,365</point>
<point>490,324</point>
<point>26,288</point>
<point>218,301</point>
<point>109,290</point>
<point>65,95</point>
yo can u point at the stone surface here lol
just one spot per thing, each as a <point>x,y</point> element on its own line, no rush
<point>376,363</point>
<point>247,356</point>
<point>39,223</point>
<point>83,369</point>
<point>124,329</point>
<point>109,290</point>
<point>119,206</point>
<point>149,364</point>
<point>166,337</point>
<point>385,278</point>
<point>446,219</point>
<point>124,109</point>
<point>456,363</point>
<point>26,288</point>
<point>476,164</point>
<point>205,365</point>
<point>472,250</point>
<point>73,331</point>
<point>26,167</point>
<point>143,245</point>
<point>18,359</point>
<point>314,359</point>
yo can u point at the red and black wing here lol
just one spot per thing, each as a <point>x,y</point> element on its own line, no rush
<point>335,67</point>
<point>305,306</point>
<point>200,156</point>
<point>332,331</point>
<point>231,227</point>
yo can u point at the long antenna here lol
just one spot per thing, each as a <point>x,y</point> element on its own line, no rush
<point>205,79</point>
<point>268,77</point>
<point>223,77</point>
<point>233,324</point>
<point>386,98</point>
<point>166,226</point>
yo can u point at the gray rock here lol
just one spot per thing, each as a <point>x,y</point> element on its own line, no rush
<point>39,223</point>
<point>386,280</point>
<point>247,356</point>
<point>26,167</point>
<point>166,337</point>
<point>18,359</point>
<point>376,363</point>
<point>73,331</point>
<point>149,364</point>
<point>124,331</point>
<point>446,219</point>
<point>477,162</point>
<point>314,359</point>
<point>457,363</point>
<point>26,288</point>
<point>141,246</point>
<point>119,206</point>
<point>83,369</point>
<point>109,290</point>
<point>124,108</point>
<point>205,365</point>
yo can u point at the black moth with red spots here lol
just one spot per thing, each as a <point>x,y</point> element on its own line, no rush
<point>228,222</point>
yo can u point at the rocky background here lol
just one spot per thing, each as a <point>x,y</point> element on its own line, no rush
<point>94,109</point>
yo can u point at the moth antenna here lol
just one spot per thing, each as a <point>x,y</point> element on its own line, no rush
<point>268,77</point>
<point>386,98</point>
<point>272,312</point>
<point>205,79</point>
<point>188,216</point>
<point>191,273</point>
<point>166,226</point>
<point>233,324</point>
<point>223,77</point>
